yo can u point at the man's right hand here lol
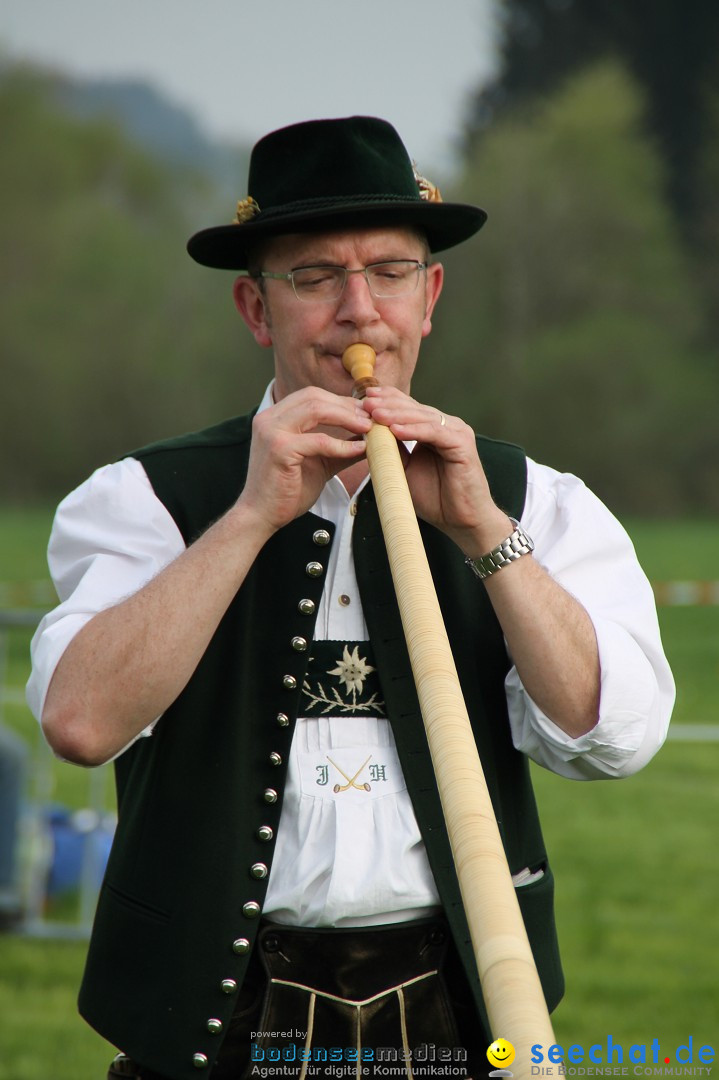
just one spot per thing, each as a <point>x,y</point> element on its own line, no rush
<point>297,445</point>
<point>127,665</point>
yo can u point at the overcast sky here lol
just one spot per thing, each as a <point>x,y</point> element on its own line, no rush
<point>245,68</point>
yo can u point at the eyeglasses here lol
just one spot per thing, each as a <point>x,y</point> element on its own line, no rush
<point>397,277</point>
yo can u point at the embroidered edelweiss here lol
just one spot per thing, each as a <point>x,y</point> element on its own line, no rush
<point>352,670</point>
<point>427,190</point>
<point>246,209</point>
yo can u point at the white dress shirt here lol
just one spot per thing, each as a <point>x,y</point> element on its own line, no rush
<point>355,855</point>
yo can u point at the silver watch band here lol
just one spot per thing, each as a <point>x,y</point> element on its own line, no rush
<point>516,545</point>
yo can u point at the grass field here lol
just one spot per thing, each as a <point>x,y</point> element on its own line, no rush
<point>635,861</point>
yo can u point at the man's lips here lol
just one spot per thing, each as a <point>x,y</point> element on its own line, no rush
<point>338,353</point>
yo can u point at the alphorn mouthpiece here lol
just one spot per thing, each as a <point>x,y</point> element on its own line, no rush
<point>359,360</point>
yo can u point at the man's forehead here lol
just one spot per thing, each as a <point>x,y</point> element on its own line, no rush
<point>332,245</point>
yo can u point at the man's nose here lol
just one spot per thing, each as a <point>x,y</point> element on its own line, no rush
<point>357,304</point>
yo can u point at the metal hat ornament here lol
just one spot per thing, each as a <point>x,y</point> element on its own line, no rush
<point>333,174</point>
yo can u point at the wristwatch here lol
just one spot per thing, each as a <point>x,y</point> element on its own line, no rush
<point>516,545</point>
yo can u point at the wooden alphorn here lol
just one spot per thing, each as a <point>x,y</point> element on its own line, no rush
<point>511,988</point>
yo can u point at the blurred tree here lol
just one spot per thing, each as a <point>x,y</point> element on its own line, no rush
<point>584,338</point>
<point>571,325</point>
<point>670,47</point>
<point>111,336</point>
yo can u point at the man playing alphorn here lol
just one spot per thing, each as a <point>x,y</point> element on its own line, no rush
<point>281,887</point>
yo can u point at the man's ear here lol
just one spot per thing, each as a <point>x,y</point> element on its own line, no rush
<point>435,279</point>
<point>252,306</point>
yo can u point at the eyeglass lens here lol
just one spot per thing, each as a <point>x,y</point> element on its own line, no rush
<point>385,279</point>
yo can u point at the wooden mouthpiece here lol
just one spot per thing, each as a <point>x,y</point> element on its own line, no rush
<point>359,360</point>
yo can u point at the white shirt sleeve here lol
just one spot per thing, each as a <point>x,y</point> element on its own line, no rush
<point>112,535</point>
<point>588,552</point>
<point>109,538</point>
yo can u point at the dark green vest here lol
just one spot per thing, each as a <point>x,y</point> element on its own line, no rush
<point>199,801</point>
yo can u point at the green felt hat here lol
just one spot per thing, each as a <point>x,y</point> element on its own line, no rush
<point>333,174</point>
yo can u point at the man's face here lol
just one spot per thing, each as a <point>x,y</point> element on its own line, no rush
<point>309,338</point>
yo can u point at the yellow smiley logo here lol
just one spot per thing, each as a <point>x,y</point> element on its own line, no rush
<point>500,1053</point>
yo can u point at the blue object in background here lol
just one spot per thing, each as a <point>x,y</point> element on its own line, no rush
<point>81,842</point>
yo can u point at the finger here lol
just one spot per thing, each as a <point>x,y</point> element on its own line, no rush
<point>311,408</point>
<point>293,448</point>
<point>423,425</point>
<point>390,406</point>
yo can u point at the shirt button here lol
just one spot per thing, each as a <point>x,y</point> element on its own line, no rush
<point>344,599</point>
<point>353,509</point>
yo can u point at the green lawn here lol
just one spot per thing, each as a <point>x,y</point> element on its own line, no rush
<point>41,1035</point>
<point>635,861</point>
<point>676,550</point>
<point>636,899</point>
<point>637,886</point>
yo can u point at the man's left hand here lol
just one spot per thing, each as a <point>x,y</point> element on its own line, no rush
<point>446,480</point>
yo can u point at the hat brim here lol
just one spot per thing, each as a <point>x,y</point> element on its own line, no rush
<point>225,247</point>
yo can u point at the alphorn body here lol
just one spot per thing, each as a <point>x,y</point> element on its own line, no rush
<point>510,983</point>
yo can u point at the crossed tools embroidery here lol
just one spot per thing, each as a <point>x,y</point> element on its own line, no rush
<point>377,773</point>
<point>351,781</point>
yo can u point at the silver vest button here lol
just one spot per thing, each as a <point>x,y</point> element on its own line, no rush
<point>200,1061</point>
<point>269,795</point>
<point>321,537</point>
<point>275,758</point>
<point>283,719</point>
<point>214,1026</point>
<point>228,986</point>
<point>265,833</point>
<point>258,871</point>
<point>241,946</point>
<point>306,607</point>
<point>289,682</point>
<point>299,644</point>
<point>251,909</point>
<point>314,569</point>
